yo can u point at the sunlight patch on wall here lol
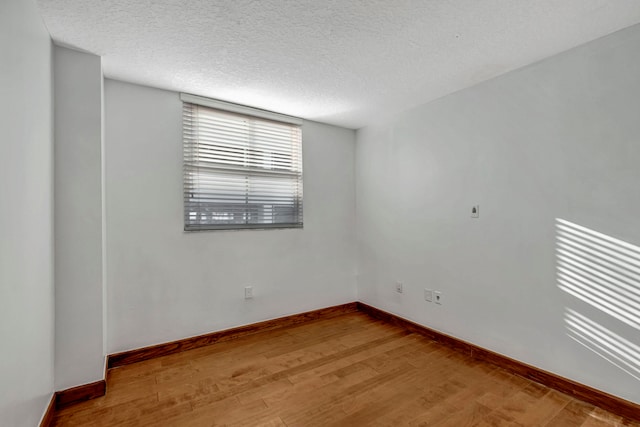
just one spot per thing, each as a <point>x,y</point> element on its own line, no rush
<point>600,270</point>
<point>607,344</point>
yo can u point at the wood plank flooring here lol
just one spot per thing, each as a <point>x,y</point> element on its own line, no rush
<point>349,370</point>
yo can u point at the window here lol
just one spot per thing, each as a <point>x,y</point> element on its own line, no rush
<point>242,167</point>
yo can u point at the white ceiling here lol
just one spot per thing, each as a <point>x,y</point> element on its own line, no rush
<point>344,62</point>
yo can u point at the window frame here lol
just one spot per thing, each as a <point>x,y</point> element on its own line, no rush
<point>250,211</point>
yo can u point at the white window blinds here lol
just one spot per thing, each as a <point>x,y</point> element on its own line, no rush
<point>240,171</point>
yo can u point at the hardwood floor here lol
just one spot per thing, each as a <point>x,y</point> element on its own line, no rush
<point>350,370</point>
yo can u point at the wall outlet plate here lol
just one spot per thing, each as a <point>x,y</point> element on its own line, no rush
<point>248,292</point>
<point>399,287</point>
<point>475,211</point>
<point>428,295</point>
<point>437,295</point>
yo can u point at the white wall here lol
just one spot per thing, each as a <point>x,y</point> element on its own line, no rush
<point>165,284</point>
<point>26,215</point>
<point>558,139</point>
<point>78,218</point>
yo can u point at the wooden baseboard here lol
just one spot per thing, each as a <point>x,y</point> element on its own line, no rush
<point>146,353</point>
<point>579,391</point>
<point>47,418</point>
<point>80,393</point>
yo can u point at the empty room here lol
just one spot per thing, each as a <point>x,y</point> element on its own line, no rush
<point>319,212</point>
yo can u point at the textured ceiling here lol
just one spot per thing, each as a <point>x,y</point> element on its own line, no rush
<point>345,62</point>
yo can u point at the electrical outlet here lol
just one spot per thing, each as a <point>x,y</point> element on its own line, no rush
<point>437,297</point>
<point>248,292</point>
<point>399,287</point>
<point>428,295</point>
<point>475,211</point>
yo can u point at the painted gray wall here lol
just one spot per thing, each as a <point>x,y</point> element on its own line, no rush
<point>26,215</point>
<point>165,284</point>
<point>78,218</point>
<point>556,140</point>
